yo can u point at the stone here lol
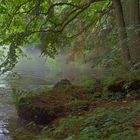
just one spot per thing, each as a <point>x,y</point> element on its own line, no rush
<point>62,83</point>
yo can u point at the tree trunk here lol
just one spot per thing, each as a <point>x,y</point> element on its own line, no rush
<point>122,32</point>
<point>134,23</point>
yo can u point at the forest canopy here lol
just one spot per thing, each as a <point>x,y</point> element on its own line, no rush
<point>53,25</point>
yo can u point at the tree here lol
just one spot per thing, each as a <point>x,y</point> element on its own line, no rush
<point>134,23</point>
<point>22,22</point>
<point>122,31</point>
<point>132,52</point>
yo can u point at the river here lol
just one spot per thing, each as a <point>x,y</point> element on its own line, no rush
<point>7,110</point>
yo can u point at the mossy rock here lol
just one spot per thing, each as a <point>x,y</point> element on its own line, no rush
<point>60,102</point>
<point>63,83</point>
<point>117,86</point>
<point>123,88</point>
<point>41,110</point>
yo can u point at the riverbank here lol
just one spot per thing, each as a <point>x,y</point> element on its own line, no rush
<point>69,112</point>
<point>105,121</point>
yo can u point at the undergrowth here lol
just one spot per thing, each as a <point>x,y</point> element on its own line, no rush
<point>83,113</point>
<point>120,123</point>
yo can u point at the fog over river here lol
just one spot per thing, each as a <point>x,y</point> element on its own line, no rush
<point>29,75</point>
<point>35,73</point>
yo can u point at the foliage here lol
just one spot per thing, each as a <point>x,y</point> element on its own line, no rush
<point>20,94</point>
<point>88,83</point>
<point>117,123</point>
<point>100,124</point>
<point>24,23</point>
<point>77,114</point>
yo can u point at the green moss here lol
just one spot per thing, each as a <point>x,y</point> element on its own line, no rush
<point>88,83</point>
<point>75,113</point>
<point>116,124</point>
<point>79,106</point>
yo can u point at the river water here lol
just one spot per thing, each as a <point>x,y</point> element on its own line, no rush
<point>7,110</point>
